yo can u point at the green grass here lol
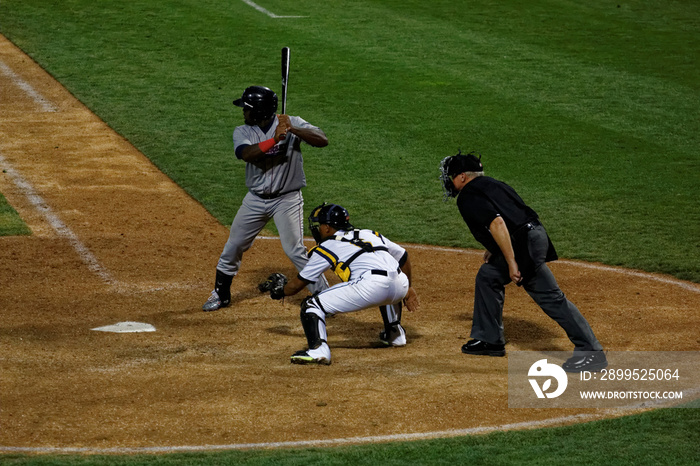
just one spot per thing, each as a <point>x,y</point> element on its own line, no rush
<point>10,223</point>
<point>668,436</point>
<point>589,109</point>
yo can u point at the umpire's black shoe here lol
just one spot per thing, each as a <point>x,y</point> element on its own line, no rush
<point>591,361</point>
<point>481,348</point>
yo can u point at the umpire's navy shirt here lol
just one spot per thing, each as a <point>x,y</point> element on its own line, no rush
<point>485,198</point>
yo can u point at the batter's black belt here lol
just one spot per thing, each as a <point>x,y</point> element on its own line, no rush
<point>267,197</point>
<point>383,272</point>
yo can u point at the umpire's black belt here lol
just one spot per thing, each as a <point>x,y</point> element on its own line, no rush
<point>527,227</point>
<point>383,272</point>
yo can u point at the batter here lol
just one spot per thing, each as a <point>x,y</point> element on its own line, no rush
<point>374,270</point>
<point>270,145</point>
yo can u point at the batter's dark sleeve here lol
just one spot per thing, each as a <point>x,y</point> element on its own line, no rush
<point>239,151</point>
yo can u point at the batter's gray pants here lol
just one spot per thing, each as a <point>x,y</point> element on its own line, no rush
<point>489,297</point>
<point>288,213</point>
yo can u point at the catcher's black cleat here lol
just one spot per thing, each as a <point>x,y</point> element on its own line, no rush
<point>396,337</point>
<point>481,348</point>
<point>303,357</point>
<point>591,361</point>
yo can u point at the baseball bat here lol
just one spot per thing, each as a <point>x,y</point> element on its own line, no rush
<point>285,78</point>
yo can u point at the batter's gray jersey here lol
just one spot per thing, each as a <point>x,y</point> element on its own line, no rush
<point>282,171</point>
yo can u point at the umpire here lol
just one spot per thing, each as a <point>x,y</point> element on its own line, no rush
<point>517,249</point>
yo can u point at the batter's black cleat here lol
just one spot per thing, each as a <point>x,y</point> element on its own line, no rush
<point>214,302</point>
<point>481,348</point>
<point>591,361</point>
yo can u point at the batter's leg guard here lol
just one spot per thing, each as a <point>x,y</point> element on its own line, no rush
<point>221,296</point>
<point>314,325</point>
<point>393,334</point>
<point>223,287</point>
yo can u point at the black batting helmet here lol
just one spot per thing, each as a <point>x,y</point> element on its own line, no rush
<point>328,214</point>
<point>262,102</point>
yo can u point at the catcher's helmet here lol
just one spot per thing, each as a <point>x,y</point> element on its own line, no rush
<point>262,102</point>
<point>456,164</point>
<point>328,214</point>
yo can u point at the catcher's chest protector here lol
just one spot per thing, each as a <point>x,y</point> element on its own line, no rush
<point>342,268</point>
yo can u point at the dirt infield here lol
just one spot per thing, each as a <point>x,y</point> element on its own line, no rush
<point>116,240</point>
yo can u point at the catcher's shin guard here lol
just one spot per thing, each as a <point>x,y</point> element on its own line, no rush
<point>391,315</point>
<point>222,286</point>
<point>314,325</point>
<point>393,334</point>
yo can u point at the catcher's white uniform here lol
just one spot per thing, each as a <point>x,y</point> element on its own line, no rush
<point>369,265</point>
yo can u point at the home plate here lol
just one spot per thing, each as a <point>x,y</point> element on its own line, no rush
<point>127,327</point>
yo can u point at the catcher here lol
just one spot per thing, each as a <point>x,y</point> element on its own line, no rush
<point>374,271</point>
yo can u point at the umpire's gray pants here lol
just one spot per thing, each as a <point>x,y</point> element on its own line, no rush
<point>288,213</point>
<point>489,297</point>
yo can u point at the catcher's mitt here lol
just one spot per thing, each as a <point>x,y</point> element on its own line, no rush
<point>274,285</point>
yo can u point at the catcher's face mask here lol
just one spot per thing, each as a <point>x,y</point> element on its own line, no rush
<point>446,179</point>
<point>314,224</point>
<point>454,165</point>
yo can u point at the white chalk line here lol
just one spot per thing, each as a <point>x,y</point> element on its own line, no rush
<point>36,200</point>
<point>268,12</point>
<point>576,418</point>
<point>45,105</point>
<point>63,231</point>
<point>311,443</point>
<point>55,222</point>
<point>586,265</point>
